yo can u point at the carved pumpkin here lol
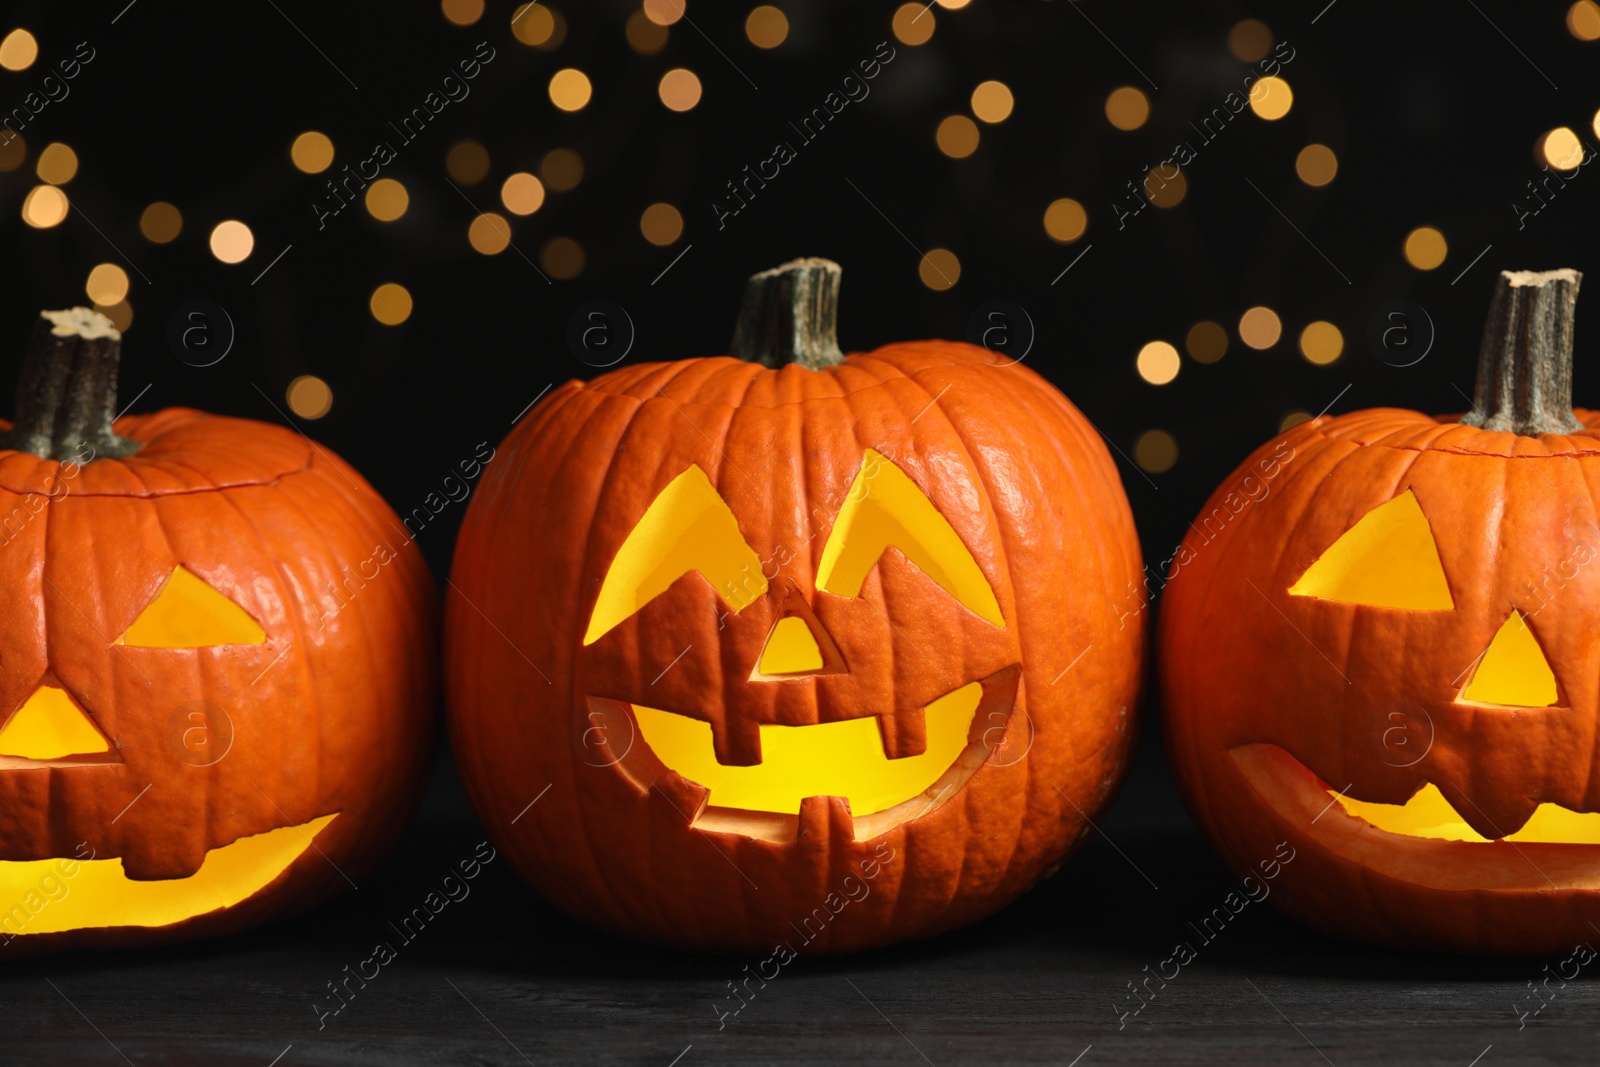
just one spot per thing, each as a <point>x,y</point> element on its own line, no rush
<point>215,665</point>
<point>822,652</point>
<point>1379,646</point>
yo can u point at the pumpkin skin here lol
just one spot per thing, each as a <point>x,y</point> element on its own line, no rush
<point>1264,723</point>
<point>1020,477</point>
<point>330,713</point>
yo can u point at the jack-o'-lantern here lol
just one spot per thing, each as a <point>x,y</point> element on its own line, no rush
<point>792,646</point>
<point>1379,646</point>
<point>215,664</point>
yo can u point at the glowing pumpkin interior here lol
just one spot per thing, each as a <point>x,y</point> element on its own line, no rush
<point>690,528</point>
<point>1390,559</point>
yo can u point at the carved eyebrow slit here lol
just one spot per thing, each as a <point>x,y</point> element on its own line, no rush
<point>688,527</point>
<point>884,507</point>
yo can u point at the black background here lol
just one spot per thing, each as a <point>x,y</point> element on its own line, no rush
<point>1433,110</point>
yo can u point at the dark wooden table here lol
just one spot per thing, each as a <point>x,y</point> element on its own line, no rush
<point>500,978</point>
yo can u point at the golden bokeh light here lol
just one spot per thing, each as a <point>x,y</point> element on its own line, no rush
<point>1158,363</point>
<point>1316,165</point>
<point>912,24</point>
<point>939,269</point>
<point>1260,328</point>
<point>766,26</point>
<point>1156,451</point>
<point>570,89</point>
<point>57,165</point>
<point>462,12</point>
<point>1166,186</point>
<point>953,5</point>
<point>1065,220</point>
<point>312,152</point>
<point>13,152</point>
<point>562,258</point>
<point>522,193</point>
<point>309,397</point>
<point>387,200</point>
<point>534,25</point>
<point>467,162</point>
<point>679,89</point>
<point>1321,342</point>
<point>645,36</point>
<point>44,206</point>
<point>161,223</point>
<point>664,12</point>
<point>1559,149</point>
<point>232,241</point>
<point>1425,248</point>
<point>1249,40</point>
<point>661,224</point>
<point>1127,108</point>
<point>120,314</point>
<point>489,233</point>
<point>561,169</point>
<point>1583,22</point>
<point>992,101</point>
<point>107,284</point>
<point>957,137</point>
<point>18,50</point>
<point>1293,418</point>
<point>1271,98</point>
<point>390,303</point>
<point>1206,342</point>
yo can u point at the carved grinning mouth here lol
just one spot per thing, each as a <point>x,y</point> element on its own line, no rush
<point>97,893</point>
<point>1427,813</point>
<point>843,759</point>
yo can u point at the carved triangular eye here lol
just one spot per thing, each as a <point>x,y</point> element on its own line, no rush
<point>188,613</point>
<point>1388,559</point>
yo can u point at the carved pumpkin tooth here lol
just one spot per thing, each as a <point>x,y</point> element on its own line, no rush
<point>905,733</point>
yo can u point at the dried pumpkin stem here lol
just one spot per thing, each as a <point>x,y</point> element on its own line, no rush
<point>1525,363</point>
<point>790,314</point>
<point>67,393</point>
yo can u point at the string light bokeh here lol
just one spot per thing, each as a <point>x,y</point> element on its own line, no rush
<point>1198,216</point>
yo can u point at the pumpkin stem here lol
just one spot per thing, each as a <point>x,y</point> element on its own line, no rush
<point>790,314</point>
<point>67,394</point>
<point>1525,363</point>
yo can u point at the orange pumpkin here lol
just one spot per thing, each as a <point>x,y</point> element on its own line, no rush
<point>215,664</point>
<point>1379,648</point>
<point>819,653</point>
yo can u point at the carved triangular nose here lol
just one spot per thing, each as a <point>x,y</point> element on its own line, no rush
<point>791,650</point>
<point>50,726</point>
<point>1513,671</point>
